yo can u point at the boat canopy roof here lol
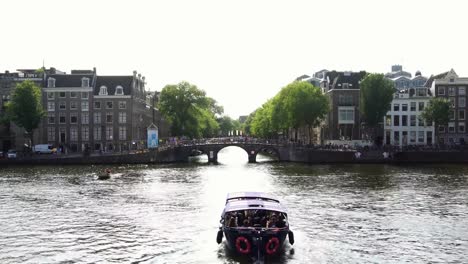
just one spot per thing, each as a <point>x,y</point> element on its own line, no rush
<point>239,205</point>
<point>251,196</point>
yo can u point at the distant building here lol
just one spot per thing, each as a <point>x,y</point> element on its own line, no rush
<point>403,124</point>
<point>343,121</point>
<point>12,136</point>
<point>449,85</point>
<point>86,111</point>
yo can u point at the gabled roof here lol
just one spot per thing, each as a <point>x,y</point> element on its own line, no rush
<point>70,80</point>
<point>352,78</point>
<point>111,82</point>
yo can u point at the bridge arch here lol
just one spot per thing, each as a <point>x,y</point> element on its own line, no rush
<point>252,150</point>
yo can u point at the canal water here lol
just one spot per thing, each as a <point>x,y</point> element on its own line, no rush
<point>170,213</point>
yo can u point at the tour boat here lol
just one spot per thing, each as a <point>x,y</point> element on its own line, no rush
<point>255,224</point>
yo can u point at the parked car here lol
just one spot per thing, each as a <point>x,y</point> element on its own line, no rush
<point>44,149</point>
<point>11,154</point>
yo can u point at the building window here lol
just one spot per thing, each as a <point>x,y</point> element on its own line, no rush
<point>119,90</point>
<point>85,118</point>
<point>73,105</point>
<point>462,90</point>
<point>421,106</point>
<point>461,114</point>
<point>97,118</point>
<point>412,137</point>
<point>97,105</point>
<point>51,83</point>
<point>122,105</point>
<point>441,90</point>
<point>50,95</point>
<point>85,133</point>
<point>73,94</point>
<point>97,133</point>
<point>109,105</point>
<point>51,118</point>
<point>420,121</point>
<point>103,90</point>
<point>441,129</point>
<point>420,136</point>
<point>413,106</point>
<point>122,133</point>
<point>396,138</point>
<point>396,107</point>
<point>412,120</point>
<point>451,127</point>
<point>388,120</point>
<point>50,106</point>
<point>452,114</point>
<point>109,132</point>
<point>62,94</point>
<point>84,95</point>
<point>404,107</point>
<point>452,101</point>
<point>346,116</point>
<point>461,127</point>
<point>451,91</point>
<point>73,118</point>
<point>396,120</point>
<point>109,117</point>
<point>122,117</point>
<point>73,134</point>
<point>62,119</point>
<point>84,106</point>
<point>404,120</point>
<point>62,105</point>
<point>51,134</point>
<point>461,102</point>
<point>85,82</point>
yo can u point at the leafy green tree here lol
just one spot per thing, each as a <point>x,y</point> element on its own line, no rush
<point>261,125</point>
<point>299,104</point>
<point>437,111</point>
<point>25,108</point>
<point>188,109</point>
<point>376,97</point>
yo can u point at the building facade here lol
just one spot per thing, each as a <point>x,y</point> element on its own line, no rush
<point>88,112</point>
<point>453,88</point>
<point>403,124</point>
<point>343,121</point>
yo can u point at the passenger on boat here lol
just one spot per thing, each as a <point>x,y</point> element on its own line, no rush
<point>272,221</point>
<point>248,222</point>
<point>232,221</point>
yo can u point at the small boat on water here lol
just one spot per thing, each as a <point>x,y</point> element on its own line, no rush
<point>105,175</point>
<point>255,224</point>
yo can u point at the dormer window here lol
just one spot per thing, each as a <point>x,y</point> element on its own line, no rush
<point>85,82</point>
<point>119,90</point>
<point>345,85</point>
<point>103,90</point>
<point>51,83</point>
<point>452,80</point>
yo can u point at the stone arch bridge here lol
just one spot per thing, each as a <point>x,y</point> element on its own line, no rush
<point>212,149</point>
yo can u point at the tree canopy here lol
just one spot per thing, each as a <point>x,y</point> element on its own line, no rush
<point>376,97</point>
<point>438,111</point>
<point>299,104</point>
<point>190,112</point>
<point>25,108</point>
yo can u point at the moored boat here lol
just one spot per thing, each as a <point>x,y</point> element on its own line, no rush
<point>254,223</point>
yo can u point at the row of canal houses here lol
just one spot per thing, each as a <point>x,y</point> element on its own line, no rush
<point>84,111</point>
<point>403,124</point>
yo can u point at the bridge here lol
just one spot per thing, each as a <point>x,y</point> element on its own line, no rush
<point>212,149</point>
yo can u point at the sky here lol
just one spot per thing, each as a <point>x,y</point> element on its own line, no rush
<point>240,52</point>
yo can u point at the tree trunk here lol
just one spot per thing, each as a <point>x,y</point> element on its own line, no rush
<point>310,135</point>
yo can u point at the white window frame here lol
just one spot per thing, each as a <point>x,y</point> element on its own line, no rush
<point>122,133</point>
<point>51,82</point>
<point>50,106</point>
<point>122,117</point>
<point>348,111</point>
<point>51,134</point>
<point>441,90</point>
<point>50,95</point>
<point>84,118</point>
<point>84,106</point>
<point>97,118</point>
<point>119,90</point>
<point>85,82</point>
<point>85,133</point>
<point>103,90</point>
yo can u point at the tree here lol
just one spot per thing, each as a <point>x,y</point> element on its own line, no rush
<point>25,108</point>
<point>376,97</point>
<point>437,111</point>
<point>188,109</point>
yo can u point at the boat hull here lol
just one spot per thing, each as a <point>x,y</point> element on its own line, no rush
<point>256,242</point>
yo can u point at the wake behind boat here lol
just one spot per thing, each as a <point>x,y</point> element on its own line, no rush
<point>254,223</point>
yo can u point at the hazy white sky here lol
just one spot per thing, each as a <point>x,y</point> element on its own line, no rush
<point>240,52</point>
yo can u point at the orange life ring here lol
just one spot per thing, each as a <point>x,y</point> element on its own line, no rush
<point>239,247</point>
<point>272,245</point>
